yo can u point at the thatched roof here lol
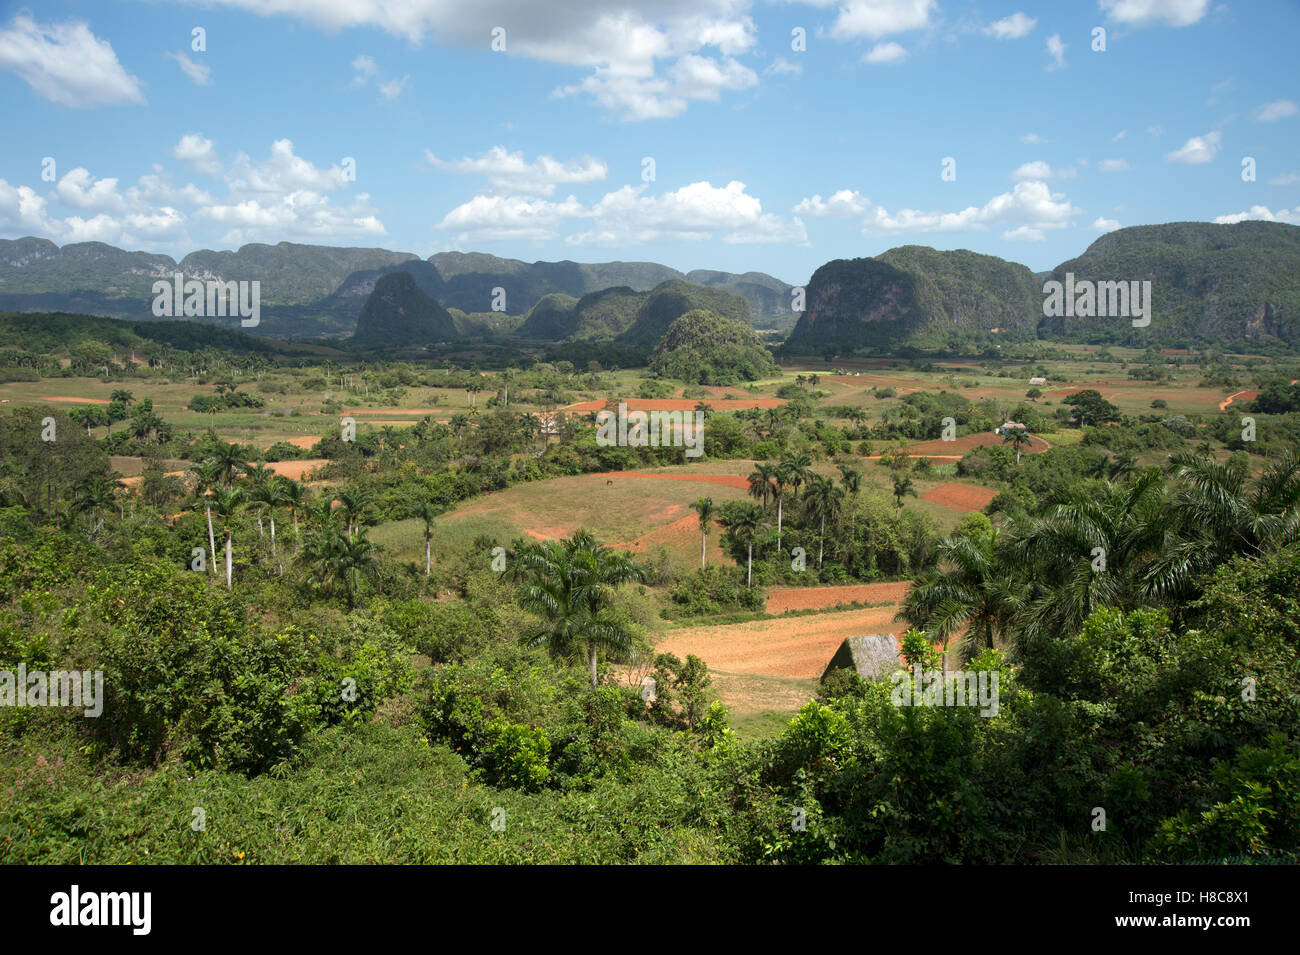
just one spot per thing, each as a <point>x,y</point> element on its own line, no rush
<point>874,656</point>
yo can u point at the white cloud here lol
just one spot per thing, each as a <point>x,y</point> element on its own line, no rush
<point>846,202</point>
<point>22,211</point>
<point>1198,149</point>
<point>874,19</point>
<point>1105,225</point>
<point>1263,214</point>
<point>1286,179</point>
<point>1011,28</point>
<point>1278,109</point>
<point>627,216</point>
<point>1118,136</point>
<point>1024,233</point>
<point>782,65</point>
<point>512,172</point>
<point>80,189</point>
<point>393,88</point>
<point>1113,165</point>
<point>1041,170</point>
<point>66,64</point>
<point>634,51</point>
<point>1026,211</point>
<point>1057,49</point>
<point>1174,13</point>
<point>199,153</point>
<point>1032,138</point>
<point>198,73</point>
<point>885,53</point>
<point>365,69</point>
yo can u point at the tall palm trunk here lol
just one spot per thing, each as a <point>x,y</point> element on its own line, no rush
<point>212,539</point>
<point>779,502</point>
<point>750,580</point>
<point>427,551</point>
<point>704,540</point>
<point>229,560</point>
<point>821,543</point>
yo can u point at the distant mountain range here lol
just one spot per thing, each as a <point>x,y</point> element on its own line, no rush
<point>310,290</point>
<point>1209,283</point>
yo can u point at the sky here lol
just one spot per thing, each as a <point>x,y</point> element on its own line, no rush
<point>720,134</point>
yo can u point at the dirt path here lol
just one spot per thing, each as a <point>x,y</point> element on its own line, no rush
<point>1243,395</point>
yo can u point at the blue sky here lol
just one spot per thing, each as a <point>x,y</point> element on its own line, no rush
<point>765,157</point>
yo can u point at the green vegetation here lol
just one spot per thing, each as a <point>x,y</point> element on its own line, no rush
<point>703,348</point>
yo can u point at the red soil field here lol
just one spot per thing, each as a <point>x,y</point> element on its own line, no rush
<point>960,497</point>
<point>75,401</point>
<point>678,404</point>
<point>726,480</point>
<point>783,599</point>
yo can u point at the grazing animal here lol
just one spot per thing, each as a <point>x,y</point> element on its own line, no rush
<point>608,483</point>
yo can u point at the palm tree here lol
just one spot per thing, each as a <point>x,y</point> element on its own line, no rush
<point>797,466</point>
<point>822,500</point>
<point>231,459</point>
<point>227,502</point>
<point>353,504</point>
<point>333,559</point>
<point>122,395</point>
<point>1106,548</point>
<point>1220,516</point>
<point>902,487</point>
<point>744,523</point>
<point>708,513</point>
<point>760,481</point>
<point>427,512</point>
<point>1017,438</point>
<point>260,481</point>
<point>267,495</point>
<point>571,586</point>
<point>95,495</point>
<point>292,496</point>
<point>206,475</point>
<point>851,479</point>
<point>972,587</point>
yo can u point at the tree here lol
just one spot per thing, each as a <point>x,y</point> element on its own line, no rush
<point>427,512</point>
<point>206,475</point>
<point>972,588</point>
<point>744,523</point>
<point>353,504</point>
<point>292,495</point>
<point>122,395</point>
<point>571,585</point>
<point>902,487</point>
<point>227,502</point>
<point>95,496</point>
<point>334,559</point>
<point>708,513</point>
<point>1017,438</point>
<point>797,467</point>
<point>822,500</point>
<point>851,479</point>
<point>231,459</point>
<point>1091,408</point>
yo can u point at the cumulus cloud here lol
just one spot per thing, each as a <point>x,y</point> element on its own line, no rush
<point>512,172</point>
<point>1011,28</point>
<point>885,53</point>
<point>1262,214</point>
<point>198,73</point>
<point>845,203</point>
<point>365,70</point>
<point>874,19</point>
<point>1198,149</point>
<point>1041,170</point>
<point>630,215</point>
<point>782,65</point>
<point>66,64</point>
<point>1105,225</point>
<point>1032,138</point>
<point>637,54</point>
<point>1027,211</point>
<point>1174,13</point>
<point>1113,165</point>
